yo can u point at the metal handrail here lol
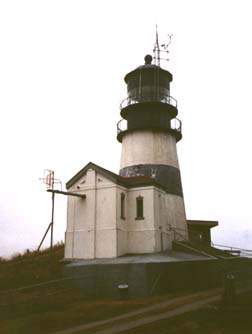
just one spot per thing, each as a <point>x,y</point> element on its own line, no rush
<point>175,125</point>
<point>232,248</point>
<point>148,98</point>
<point>122,125</point>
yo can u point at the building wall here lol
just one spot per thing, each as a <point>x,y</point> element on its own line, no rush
<point>148,147</point>
<point>169,217</point>
<point>96,229</point>
<point>200,235</point>
<point>122,222</point>
<point>141,232</point>
<point>80,222</point>
<point>91,222</point>
<point>135,236</point>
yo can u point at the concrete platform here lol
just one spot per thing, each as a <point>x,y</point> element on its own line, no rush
<point>169,256</point>
<point>147,274</point>
<point>150,274</point>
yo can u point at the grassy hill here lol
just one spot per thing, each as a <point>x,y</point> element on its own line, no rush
<point>31,267</point>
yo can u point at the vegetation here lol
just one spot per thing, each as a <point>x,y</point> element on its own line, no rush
<point>32,267</point>
<point>212,319</point>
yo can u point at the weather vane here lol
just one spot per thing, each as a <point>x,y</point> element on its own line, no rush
<point>164,49</point>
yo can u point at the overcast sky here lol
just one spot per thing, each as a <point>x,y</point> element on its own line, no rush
<point>62,65</point>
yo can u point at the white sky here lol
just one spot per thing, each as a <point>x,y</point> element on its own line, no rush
<point>62,65</point>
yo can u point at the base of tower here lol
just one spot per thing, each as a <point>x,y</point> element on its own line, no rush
<point>145,275</point>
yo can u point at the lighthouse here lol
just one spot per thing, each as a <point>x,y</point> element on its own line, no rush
<point>141,209</point>
<point>149,129</point>
<point>127,232</point>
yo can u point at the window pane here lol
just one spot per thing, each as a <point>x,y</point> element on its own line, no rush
<point>139,207</point>
<point>122,205</point>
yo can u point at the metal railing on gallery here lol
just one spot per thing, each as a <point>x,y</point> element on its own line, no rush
<point>149,98</point>
<point>175,124</point>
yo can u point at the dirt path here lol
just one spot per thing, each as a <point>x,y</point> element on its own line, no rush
<point>146,315</point>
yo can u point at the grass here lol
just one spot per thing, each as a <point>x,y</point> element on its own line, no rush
<point>68,310</point>
<point>212,319</point>
<point>31,267</point>
<point>209,320</point>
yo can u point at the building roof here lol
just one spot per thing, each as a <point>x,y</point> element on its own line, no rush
<point>147,67</point>
<point>203,223</point>
<point>128,182</point>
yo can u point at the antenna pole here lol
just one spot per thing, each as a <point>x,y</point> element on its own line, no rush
<point>164,49</point>
<point>157,47</point>
<point>52,220</point>
<point>50,181</point>
<point>49,226</point>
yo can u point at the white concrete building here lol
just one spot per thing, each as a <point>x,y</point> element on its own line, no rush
<point>140,210</point>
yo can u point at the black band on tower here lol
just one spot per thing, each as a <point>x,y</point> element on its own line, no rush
<point>166,176</point>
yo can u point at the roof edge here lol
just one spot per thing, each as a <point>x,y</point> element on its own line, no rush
<point>101,170</point>
<point>211,223</point>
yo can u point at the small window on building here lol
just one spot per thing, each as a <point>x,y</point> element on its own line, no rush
<point>139,208</point>
<point>122,206</point>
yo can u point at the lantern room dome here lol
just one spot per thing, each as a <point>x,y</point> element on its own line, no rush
<point>148,67</point>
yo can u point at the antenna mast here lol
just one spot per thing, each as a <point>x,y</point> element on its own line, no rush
<point>156,49</point>
<point>50,181</point>
<point>164,48</point>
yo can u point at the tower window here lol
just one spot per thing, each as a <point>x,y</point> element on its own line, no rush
<point>122,206</point>
<point>139,208</point>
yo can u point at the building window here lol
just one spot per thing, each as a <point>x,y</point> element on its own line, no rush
<point>139,208</point>
<point>122,206</point>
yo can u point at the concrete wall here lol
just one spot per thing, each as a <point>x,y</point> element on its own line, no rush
<point>155,278</point>
<point>148,147</point>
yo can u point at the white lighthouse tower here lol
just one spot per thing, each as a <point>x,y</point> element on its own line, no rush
<point>149,130</point>
<point>140,210</point>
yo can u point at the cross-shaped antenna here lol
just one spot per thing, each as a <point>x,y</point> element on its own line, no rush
<point>50,180</point>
